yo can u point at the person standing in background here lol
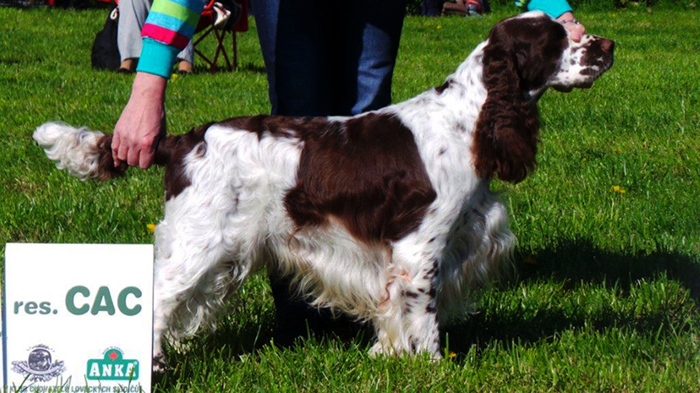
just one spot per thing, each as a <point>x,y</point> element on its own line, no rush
<point>325,58</point>
<point>322,59</point>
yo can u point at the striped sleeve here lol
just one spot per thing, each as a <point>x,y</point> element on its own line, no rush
<point>169,26</point>
<point>553,8</point>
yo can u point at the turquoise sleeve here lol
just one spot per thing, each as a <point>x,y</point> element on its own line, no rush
<point>157,58</point>
<point>553,8</point>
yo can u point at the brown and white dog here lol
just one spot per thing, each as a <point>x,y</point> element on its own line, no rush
<point>386,216</point>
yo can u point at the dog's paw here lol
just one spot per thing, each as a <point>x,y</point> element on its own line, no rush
<point>159,365</point>
<point>378,350</point>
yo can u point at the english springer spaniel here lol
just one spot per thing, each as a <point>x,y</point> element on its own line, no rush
<point>386,216</point>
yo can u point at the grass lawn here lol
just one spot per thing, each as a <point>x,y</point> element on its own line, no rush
<point>606,293</point>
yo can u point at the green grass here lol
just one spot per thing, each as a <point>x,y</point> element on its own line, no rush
<point>605,295</point>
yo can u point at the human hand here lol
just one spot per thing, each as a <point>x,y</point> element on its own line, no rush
<point>575,29</point>
<point>141,122</point>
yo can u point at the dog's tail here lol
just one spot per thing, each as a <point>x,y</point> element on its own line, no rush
<point>85,154</point>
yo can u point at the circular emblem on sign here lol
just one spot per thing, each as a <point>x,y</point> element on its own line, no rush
<point>39,359</point>
<point>39,366</point>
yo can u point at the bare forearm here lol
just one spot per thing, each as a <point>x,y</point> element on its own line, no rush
<point>141,122</point>
<point>148,86</point>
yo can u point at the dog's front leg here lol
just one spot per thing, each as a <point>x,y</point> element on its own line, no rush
<point>408,321</point>
<point>420,310</point>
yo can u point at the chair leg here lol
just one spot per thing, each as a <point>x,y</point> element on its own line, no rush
<point>212,65</point>
<point>235,50</point>
<point>220,50</point>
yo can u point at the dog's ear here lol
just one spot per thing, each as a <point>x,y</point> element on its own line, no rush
<point>505,141</point>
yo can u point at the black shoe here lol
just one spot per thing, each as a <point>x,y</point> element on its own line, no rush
<point>297,319</point>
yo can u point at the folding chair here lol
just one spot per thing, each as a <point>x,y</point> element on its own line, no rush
<point>207,26</point>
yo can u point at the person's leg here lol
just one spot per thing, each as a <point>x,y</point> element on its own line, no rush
<point>329,58</point>
<point>290,33</point>
<point>266,12</point>
<point>371,46</point>
<point>293,42</point>
<point>432,7</point>
<point>324,58</point>
<point>186,59</point>
<point>132,15</point>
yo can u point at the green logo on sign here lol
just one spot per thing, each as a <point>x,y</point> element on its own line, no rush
<point>113,367</point>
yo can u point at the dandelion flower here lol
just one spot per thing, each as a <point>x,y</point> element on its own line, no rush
<point>151,227</point>
<point>618,189</point>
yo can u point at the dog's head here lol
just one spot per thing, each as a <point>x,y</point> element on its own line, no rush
<point>582,63</point>
<point>532,52</point>
<point>524,56</point>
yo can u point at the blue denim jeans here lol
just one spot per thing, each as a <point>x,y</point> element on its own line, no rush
<point>325,57</point>
<point>432,7</point>
<point>329,57</point>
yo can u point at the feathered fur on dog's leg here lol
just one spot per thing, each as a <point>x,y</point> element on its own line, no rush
<point>408,322</point>
<point>85,154</point>
<point>196,270</point>
<point>387,323</point>
<point>421,328</point>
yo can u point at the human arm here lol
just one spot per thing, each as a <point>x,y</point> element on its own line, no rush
<point>167,30</point>
<point>571,24</point>
<point>558,9</point>
<point>141,121</point>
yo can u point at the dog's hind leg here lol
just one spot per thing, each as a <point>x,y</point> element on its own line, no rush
<point>194,276</point>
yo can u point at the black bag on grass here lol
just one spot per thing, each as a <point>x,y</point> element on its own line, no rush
<point>105,52</point>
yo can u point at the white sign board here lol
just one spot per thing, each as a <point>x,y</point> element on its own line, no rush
<point>78,317</point>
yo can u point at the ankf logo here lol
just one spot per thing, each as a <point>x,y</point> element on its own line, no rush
<point>39,366</point>
<point>113,367</point>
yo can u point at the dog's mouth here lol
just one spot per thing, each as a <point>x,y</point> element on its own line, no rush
<point>591,74</point>
<point>567,89</point>
<point>599,58</point>
<point>563,89</point>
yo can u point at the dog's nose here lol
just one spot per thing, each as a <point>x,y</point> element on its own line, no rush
<point>608,46</point>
